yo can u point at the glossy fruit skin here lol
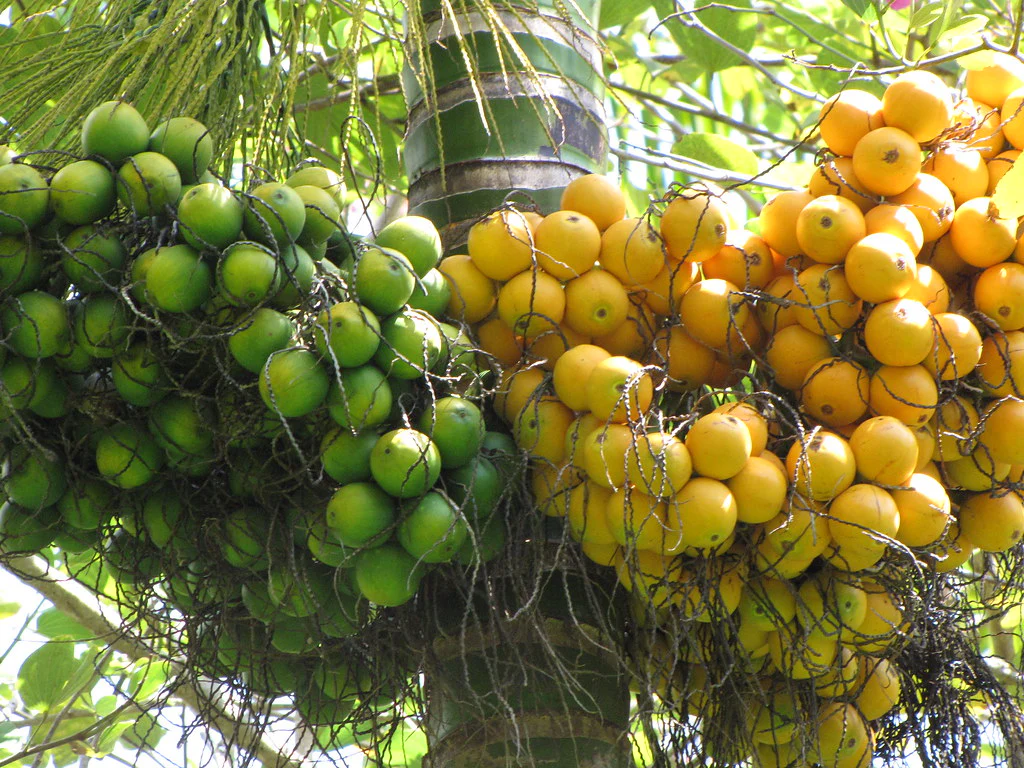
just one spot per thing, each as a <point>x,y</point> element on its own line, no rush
<point>114,130</point>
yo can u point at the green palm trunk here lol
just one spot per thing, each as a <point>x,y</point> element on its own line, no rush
<point>509,101</point>
<point>545,688</point>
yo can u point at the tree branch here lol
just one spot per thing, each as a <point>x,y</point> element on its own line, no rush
<point>76,601</point>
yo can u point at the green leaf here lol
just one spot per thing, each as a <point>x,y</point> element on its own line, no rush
<point>79,678</point>
<point>719,152</point>
<point>9,609</point>
<point>619,12</point>
<point>54,623</point>
<point>1008,197</point>
<point>147,679</point>
<point>108,740</point>
<point>733,26</point>
<point>969,25</point>
<point>858,6</point>
<point>43,675</point>
<point>925,15</point>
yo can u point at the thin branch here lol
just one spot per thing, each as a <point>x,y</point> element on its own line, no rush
<point>80,604</point>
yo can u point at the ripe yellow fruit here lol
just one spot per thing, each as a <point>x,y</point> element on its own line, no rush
<point>983,125</point>
<point>663,294</point>
<point>886,161</point>
<point>880,268</point>
<point>837,177</point>
<point>931,202</point>
<point>999,294</point>
<point>754,421</point>
<point>719,445</point>
<point>924,508</point>
<point>518,387</point>
<point>572,371</point>
<point>955,422</point>
<point>1001,365</point>
<point>759,489</point>
<point>793,351</point>
<point>1003,432</point>
<point>531,303</point>
<point>827,228</point>
<point>709,308</point>
<point>835,391</point>
<point>993,82</point>
<point>863,515</point>
<point>568,244</point>
<point>632,251</point>
<point>694,226</point>
<point>825,300</point>
<point>844,739</point>
<point>929,288</point>
<point>884,623</point>
<point>745,260</point>
<point>952,550</point>
<point>963,170</point>
<point>878,685</point>
<point>702,514</point>
<point>540,429</point>
<point>905,392</point>
<point>976,472</point>
<point>919,103</point>
<point>688,363</point>
<point>768,603</point>
<point>846,117</point>
<point>500,245</point>
<point>899,332</point>
<point>993,521</point>
<point>551,485</point>
<point>596,304</point>
<point>979,236</point>
<point>658,464</point>
<point>576,434</point>
<point>800,656</point>
<point>776,308</point>
<point>897,220</point>
<point>500,342</point>
<point>998,166</point>
<point>885,449</point>
<point>604,454</point>
<point>596,197</point>
<point>585,514</point>
<point>633,336</point>
<point>473,294</point>
<point>821,466</point>
<point>637,521</point>
<point>778,221</point>
<point>619,390</point>
<point>547,347</point>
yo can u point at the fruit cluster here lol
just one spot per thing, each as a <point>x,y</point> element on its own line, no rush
<point>880,307</point>
<point>229,399</point>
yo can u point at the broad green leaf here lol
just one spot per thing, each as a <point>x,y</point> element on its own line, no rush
<point>105,705</point>
<point>968,26</point>
<point>9,609</point>
<point>111,735</point>
<point>54,623</point>
<point>146,679</point>
<point>79,678</point>
<point>619,12</point>
<point>718,152</point>
<point>144,732</point>
<point>858,6</point>
<point>734,26</point>
<point>924,15</point>
<point>43,675</point>
<point>1008,198</point>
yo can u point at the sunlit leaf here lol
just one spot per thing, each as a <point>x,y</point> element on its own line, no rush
<point>621,12</point>
<point>9,609</point>
<point>1008,197</point>
<point>112,734</point>
<point>925,15</point>
<point>857,6</point>
<point>43,675</point>
<point>54,623</point>
<point>718,152</point>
